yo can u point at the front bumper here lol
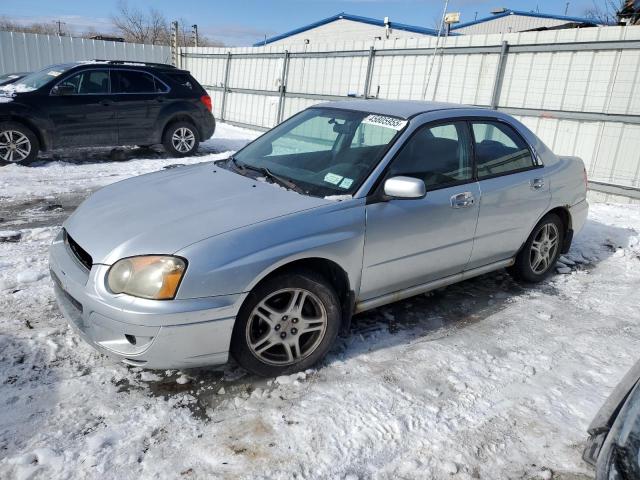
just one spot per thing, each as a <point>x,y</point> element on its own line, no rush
<point>147,333</point>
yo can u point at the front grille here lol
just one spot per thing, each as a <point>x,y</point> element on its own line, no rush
<point>81,254</point>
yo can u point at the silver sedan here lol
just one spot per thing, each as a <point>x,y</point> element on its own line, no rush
<point>344,207</point>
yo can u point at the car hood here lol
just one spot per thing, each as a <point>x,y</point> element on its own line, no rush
<point>163,212</point>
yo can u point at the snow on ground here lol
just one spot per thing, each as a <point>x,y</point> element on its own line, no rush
<point>484,379</point>
<point>85,169</point>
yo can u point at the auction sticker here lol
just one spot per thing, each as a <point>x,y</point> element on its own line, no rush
<point>385,121</point>
<point>346,183</point>
<point>332,178</point>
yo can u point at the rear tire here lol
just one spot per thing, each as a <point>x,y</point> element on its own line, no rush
<point>537,258</point>
<point>181,139</point>
<point>18,144</point>
<point>286,324</point>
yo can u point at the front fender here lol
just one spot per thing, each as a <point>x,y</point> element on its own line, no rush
<point>237,261</point>
<point>32,118</point>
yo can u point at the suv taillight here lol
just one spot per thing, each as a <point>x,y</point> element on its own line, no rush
<point>206,99</point>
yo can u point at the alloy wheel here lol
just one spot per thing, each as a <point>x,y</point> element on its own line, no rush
<point>14,146</point>
<point>183,140</point>
<point>544,248</point>
<point>286,326</point>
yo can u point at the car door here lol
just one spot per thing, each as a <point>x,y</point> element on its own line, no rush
<point>409,242</point>
<point>139,96</point>
<point>514,191</point>
<point>82,111</point>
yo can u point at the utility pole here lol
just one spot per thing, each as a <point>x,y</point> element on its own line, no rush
<point>59,23</point>
<point>174,42</point>
<point>194,34</point>
<point>566,9</point>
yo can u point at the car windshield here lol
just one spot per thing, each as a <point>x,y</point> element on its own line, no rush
<point>35,80</point>
<point>322,151</point>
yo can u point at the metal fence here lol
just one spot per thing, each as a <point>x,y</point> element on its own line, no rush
<point>577,89</point>
<point>26,52</point>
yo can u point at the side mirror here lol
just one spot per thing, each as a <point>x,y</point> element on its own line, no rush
<point>404,187</point>
<point>63,90</point>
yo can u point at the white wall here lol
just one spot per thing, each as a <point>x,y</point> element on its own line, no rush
<point>344,30</point>
<point>509,24</point>
<point>26,52</point>
<point>604,81</point>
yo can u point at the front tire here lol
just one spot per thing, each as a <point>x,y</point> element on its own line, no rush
<point>539,255</point>
<point>181,139</point>
<point>287,324</point>
<point>18,144</point>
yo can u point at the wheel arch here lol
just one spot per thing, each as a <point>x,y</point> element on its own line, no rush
<point>42,138</point>
<point>565,217</point>
<point>567,234</point>
<point>178,117</point>
<point>330,270</point>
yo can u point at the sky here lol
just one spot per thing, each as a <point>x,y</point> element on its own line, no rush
<point>243,22</point>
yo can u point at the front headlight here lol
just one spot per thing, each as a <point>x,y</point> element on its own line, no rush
<point>153,276</point>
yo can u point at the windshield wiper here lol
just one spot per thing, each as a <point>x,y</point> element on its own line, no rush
<point>268,174</point>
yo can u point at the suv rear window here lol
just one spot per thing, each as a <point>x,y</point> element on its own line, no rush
<point>182,79</point>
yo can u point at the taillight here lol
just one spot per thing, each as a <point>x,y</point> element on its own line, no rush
<point>206,99</point>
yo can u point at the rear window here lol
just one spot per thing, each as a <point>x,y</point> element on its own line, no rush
<point>183,79</point>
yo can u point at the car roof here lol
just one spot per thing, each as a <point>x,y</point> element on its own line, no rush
<point>396,108</point>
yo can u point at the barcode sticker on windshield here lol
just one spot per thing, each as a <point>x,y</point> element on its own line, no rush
<point>384,121</point>
<point>54,73</point>
<point>332,178</point>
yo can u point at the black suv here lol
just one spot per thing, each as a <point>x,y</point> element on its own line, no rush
<point>100,103</point>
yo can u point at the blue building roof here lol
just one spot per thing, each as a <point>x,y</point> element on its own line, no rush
<point>508,12</point>
<point>354,18</point>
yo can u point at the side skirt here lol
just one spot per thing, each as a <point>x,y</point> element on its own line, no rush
<point>426,287</point>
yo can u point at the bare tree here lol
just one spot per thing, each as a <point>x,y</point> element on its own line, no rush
<point>141,27</point>
<point>605,11</point>
<point>152,27</point>
<point>37,27</point>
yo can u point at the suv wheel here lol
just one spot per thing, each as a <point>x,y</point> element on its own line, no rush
<point>18,144</point>
<point>539,254</point>
<point>287,324</point>
<point>181,139</point>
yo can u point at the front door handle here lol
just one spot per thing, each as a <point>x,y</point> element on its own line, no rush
<point>462,200</point>
<point>106,103</point>
<point>537,183</point>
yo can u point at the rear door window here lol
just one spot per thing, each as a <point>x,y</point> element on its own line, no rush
<point>130,81</point>
<point>499,150</point>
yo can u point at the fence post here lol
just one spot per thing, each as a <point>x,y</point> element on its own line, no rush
<point>225,86</point>
<point>497,83</point>
<point>283,86</point>
<point>367,78</point>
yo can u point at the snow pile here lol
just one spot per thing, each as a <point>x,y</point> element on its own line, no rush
<point>484,379</point>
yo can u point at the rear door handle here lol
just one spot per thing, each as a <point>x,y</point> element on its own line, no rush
<point>462,200</point>
<point>537,183</point>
